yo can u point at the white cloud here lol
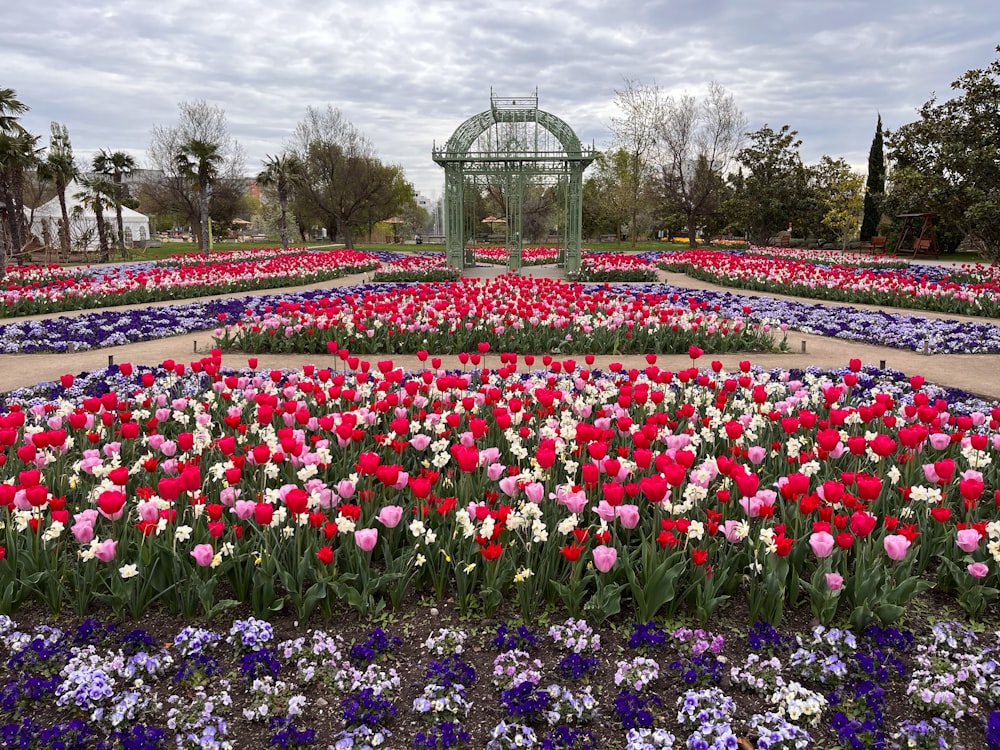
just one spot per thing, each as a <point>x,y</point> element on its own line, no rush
<point>407,73</point>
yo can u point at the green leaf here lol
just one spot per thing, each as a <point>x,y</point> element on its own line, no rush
<point>889,613</point>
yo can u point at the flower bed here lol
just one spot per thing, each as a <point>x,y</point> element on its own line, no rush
<point>828,257</point>
<point>510,313</point>
<point>615,267</point>
<point>973,290</point>
<point>449,684</point>
<point>648,490</point>
<point>247,255</point>
<point>116,285</point>
<point>116,327</point>
<point>530,256</point>
<point>422,267</point>
<point>884,328</point>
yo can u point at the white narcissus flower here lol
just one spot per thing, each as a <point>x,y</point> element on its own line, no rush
<point>567,525</point>
<point>182,533</point>
<point>128,571</point>
<point>345,525</point>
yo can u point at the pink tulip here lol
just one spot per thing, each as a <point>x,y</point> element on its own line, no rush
<point>83,532</point>
<point>821,543</point>
<point>148,511</point>
<point>628,515</point>
<point>940,440</point>
<point>245,509</point>
<point>508,485</point>
<point>420,442</point>
<point>390,516</point>
<point>756,454</point>
<point>834,581</point>
<point>605,511</point>
<point>366,538</point>
<point>967,540</point>
<point>535,492</point>
<point>203,554</point>
<point>605,558</point>
<point>978,569</point>
<point>896,546</point>
<point>731,529</point>
<point>105,550</point>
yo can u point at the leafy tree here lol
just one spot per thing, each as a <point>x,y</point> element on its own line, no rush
<point>697,144</point>
<point>875,185</point>
<point>343,182</point>
<point>770,189</point>
<point>167,191</point>
<point>948,161</point>
<point>636,132</point>
<point>839,190</point>
<point>99,193</point>
<point>281,172</point>
<point>199,160</point>
<point>18,155</point>
<point>608,196</point>
<point>60,170</point>
<point>117,164</point>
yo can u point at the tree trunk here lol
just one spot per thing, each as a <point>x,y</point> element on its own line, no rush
<point>64,239</point>
<point>203,203</point>
<point>692,232</point>
<point>348,239</point>
<point>13,227</point>
<point>118,213</point>
<point>102,231</point>
<point>283,200</point>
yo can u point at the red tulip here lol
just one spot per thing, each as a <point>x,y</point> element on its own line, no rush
<point>110,504</point>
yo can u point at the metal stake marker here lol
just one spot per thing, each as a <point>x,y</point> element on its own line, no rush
<point>881,364</point>
<point>196,346</point>
<point>111,360</point>
<point>803,346</point>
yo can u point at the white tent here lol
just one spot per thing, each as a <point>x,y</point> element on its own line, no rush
<point>83,223</point>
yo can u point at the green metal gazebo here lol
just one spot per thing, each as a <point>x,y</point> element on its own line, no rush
<point>511,143</point>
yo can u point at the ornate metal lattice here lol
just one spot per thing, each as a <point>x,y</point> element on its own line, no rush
<point>511,143</point>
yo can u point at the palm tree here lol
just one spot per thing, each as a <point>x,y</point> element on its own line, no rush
<point>281,172</point>
<point>200,160</point>
<point>10,110</point>
<point>60,169</point>
<point>117,164</point>
<point>18,153</point>
<point>97,194</point>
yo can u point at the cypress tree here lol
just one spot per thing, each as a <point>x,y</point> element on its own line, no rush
<point>875,186</point>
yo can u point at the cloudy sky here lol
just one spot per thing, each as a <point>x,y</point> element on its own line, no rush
<point>408,72</point>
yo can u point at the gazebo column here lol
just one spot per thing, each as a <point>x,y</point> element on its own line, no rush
<point>574,220</point>
<point>454,229</point>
